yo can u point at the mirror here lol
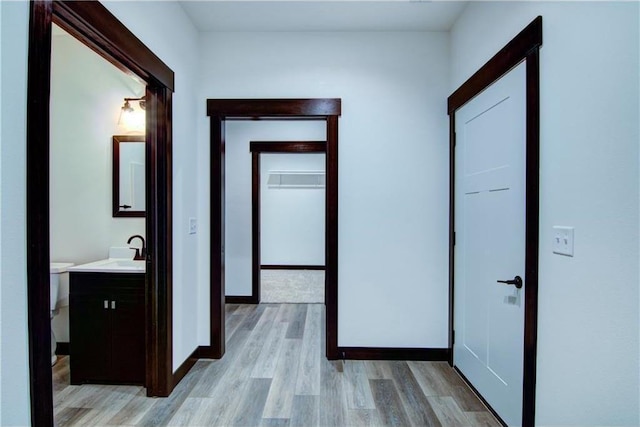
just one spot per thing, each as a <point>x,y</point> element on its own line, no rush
<point>129,188</point>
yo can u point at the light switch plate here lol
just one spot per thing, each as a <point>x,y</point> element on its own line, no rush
<point>563,240</point>
<point>193,226</point>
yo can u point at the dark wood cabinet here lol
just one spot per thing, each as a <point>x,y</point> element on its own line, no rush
<point>106,325</point>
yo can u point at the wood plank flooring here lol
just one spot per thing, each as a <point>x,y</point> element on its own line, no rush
<point>275,374</point>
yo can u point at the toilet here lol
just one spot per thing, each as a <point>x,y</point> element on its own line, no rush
<point>59,295</point>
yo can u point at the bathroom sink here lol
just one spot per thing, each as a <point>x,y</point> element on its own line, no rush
<point>125,264</point>
<point>112,265</point>
<point>138,265</point>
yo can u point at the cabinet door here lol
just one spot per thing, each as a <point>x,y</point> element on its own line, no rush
<point>90,346</point>
<point>127,338</point>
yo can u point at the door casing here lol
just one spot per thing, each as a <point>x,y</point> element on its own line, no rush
<point>98,29</point>
<point>524,47</point>
<point>221,110</point>
<point>257,148</point>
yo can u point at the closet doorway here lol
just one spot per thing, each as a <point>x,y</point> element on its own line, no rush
<point>288,182</point>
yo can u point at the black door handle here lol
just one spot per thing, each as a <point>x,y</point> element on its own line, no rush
<point>517,282</point>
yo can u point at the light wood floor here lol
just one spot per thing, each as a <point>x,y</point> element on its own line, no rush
<point>274,374</point>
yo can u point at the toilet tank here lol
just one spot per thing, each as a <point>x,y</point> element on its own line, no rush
<point>59,283</point>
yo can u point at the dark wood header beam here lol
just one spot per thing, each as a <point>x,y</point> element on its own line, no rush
<point>288,147</point>
<point>508,57</point>
<point>281,108</point>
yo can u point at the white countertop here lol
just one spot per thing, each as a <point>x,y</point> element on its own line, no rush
<point>59,267</point>
<point>111,265</point>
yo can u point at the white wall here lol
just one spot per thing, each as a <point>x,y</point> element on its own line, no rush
<point>86,95</point>
<point>291,219</point>
<point>393,171</point>
<point>14,370</point>
<point>588,305</point>
<point>168,32</point>
<point>238,190</point>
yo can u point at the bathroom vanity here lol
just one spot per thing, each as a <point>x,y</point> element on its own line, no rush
<point>107,323</point>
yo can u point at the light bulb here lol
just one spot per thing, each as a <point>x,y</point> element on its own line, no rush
<point>133,121</point>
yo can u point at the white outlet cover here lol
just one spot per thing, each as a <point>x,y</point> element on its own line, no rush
<point>563,240</point>
<point>193,226</point>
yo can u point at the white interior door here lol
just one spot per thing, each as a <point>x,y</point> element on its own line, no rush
<point>490,242</point>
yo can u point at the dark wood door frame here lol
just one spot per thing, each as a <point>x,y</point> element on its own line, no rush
<point>524,47</point>
<point>97,28</point>
<point>221,110</point>
<point>257,148</point>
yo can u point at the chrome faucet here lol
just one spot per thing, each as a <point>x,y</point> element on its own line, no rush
<point>141,254</point>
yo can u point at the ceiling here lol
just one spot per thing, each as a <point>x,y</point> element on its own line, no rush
<point>336,15</point>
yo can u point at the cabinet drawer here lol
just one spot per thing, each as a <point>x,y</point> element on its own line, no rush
<point>88,283</point>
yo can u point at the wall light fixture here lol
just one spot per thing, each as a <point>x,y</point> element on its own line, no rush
<point>127,106</point>
<point>132,119</point>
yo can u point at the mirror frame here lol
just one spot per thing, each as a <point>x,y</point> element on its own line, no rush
<point>117,212</point>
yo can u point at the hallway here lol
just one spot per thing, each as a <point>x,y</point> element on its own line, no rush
<point>274,374</point>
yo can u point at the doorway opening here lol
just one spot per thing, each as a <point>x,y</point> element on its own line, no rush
<point>288,182</point>
<point>523,49</point>
<point>93,25</point>
<point>222,110</point>
<point>97,202</point>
